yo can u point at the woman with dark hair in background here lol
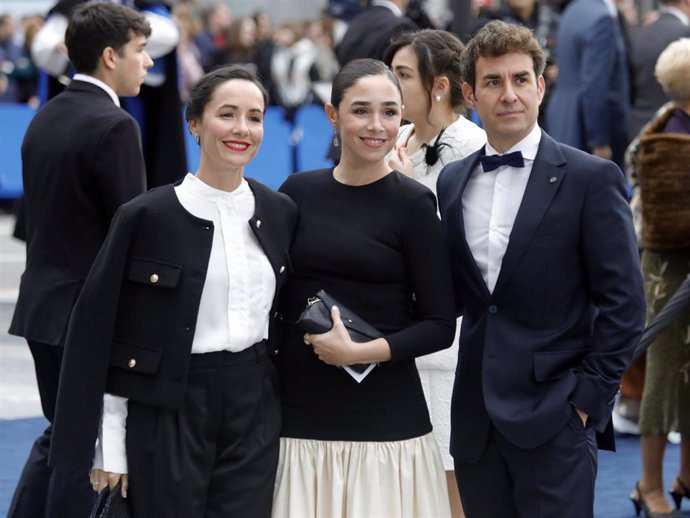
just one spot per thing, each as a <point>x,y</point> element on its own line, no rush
<point>240,44</point>
<point>168,346</point>
<point>427,64</point>
<point>370,237</point>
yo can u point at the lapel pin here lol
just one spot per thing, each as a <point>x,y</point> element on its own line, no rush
<point>553,179</point>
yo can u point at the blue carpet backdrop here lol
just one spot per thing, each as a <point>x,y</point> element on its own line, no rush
<point>617,471</point>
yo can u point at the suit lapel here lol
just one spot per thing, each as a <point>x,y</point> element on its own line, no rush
<point>544,181</point>
<point>264,224</point>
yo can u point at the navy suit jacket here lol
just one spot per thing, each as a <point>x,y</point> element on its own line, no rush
<point>567,311</point>
<point>589,104</point>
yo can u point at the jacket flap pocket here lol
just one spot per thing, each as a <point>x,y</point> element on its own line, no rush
<point>154,273</point>
<point>555,364</point>
<point>135,358</point>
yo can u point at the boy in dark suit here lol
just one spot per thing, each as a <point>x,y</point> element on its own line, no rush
<point>81,159</point>
<point>548,279</point>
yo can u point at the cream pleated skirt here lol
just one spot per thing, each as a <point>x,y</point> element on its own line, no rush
<point>343,479</point>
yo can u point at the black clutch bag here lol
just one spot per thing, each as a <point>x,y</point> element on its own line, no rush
<point>316,319</point>
<point>110,504</point>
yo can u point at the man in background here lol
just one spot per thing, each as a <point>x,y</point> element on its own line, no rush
<point>370,33</point>
<point>591,99</point>
<point>647,42</point>
<point>81,159</point>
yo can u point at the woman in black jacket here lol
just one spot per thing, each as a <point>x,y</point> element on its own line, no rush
<point>168,345</point>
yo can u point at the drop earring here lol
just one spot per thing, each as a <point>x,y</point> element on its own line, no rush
<point>336,142</point>
<point>198,140</point>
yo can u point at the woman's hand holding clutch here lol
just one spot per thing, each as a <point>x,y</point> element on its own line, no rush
<point>100,479</point>
<point>335,347</point>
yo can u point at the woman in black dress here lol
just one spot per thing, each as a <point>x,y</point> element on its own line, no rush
<point>369,237</point>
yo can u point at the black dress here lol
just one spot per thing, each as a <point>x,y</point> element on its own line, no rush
<point>349,449</point>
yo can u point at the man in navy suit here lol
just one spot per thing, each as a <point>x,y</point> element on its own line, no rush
<point>590,102</point>
<point>548,280</point>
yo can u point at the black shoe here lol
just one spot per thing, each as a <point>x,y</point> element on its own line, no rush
<point>641,506</point>
<point>679,495</point>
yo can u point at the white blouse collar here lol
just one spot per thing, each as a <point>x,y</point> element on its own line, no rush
<point>198,188</point>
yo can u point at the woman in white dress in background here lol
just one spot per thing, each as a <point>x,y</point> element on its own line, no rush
<point>427,64</point>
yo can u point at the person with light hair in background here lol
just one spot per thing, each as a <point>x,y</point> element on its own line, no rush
<point>660,176</point>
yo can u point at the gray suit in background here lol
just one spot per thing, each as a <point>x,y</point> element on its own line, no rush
<point>646,45</point>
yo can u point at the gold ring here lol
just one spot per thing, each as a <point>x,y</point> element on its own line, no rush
<point>306,339</point>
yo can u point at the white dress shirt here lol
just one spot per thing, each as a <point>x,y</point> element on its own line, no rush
<point>235,301</point>
<point>90,79</point>
<point>490,204</point>
<point>611,7</point>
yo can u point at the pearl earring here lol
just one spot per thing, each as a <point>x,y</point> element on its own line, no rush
<point>438,98</point>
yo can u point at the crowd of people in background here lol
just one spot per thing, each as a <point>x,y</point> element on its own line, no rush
<point>293,59</point>
<point>601,90</point>
<point>297,60</point>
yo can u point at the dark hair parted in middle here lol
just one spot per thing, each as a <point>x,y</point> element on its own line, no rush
<point>438,54</point>
<point>95,26</point>
<point>203,91</point>
<point>497,39</point>
<point>355,70</point>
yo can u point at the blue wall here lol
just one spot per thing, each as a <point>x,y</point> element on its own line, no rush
<point>287,146</point>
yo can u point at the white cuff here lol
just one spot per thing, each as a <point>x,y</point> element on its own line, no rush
<point>111,452</point>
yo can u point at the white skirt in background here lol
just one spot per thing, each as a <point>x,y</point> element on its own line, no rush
<point>350,479</point>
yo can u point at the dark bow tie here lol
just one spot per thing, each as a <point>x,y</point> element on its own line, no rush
<point>491,162</point>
